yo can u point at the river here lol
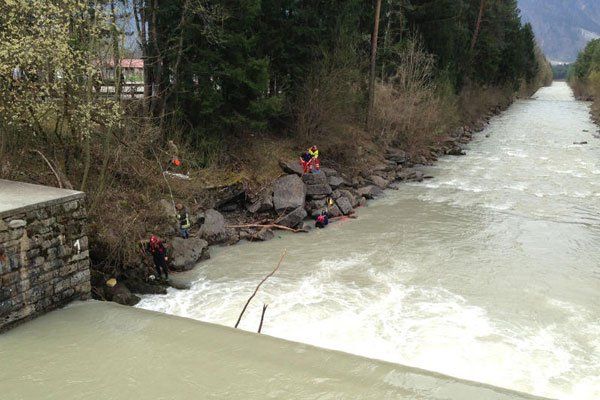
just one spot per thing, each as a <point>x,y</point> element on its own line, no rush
<point>488,272</point>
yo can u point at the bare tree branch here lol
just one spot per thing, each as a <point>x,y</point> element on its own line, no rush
<point>258,287</point>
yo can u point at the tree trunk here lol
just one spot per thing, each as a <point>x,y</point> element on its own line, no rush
<point>477,26</point>
<point>141,24</point>
<point>156,61</point>
<point>116,52</point>
<point>374,37</point>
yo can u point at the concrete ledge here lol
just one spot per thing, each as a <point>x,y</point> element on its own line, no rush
<point>18,197</point>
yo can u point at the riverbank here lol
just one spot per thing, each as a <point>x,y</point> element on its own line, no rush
<point>131,197</point>
<point>290,202</point>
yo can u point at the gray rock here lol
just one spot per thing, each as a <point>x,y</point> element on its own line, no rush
<point>379,181</point>
<point>264,234</point>
<point>294,218</point>
<point>379,167</point>
<point>263,203</point>
<point>321,189</point>
<point>405,174</point>
<point>5,307</point>
<point>315,213</point>
<point>121,294</point>
<point>347,194</point>
<point>307,226</point>
<point>456,151</point>
<point>334,211</point>
<point>397,156</point>
<point>344,205</point>
<point>291,167</point>
<point>329,171</point>
<point>17,223</point>
<point>419,176</point>
<point>362,202</point>
<point>3,226</point>
<point>315,179</point>
<point>213,229</point>
<point>313,206</point>
<point>357,182</point>
<point>186,253</point>
<point>370,191</point>
<point>335,181</point>
<point>289,193</point>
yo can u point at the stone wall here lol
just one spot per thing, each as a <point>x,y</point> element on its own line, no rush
<point>44,258</point>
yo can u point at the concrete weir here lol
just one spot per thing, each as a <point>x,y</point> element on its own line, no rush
<point>137,354</point>
<point>44,258</point>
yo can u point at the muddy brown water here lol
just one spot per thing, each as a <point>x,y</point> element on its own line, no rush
<point>489,272</point>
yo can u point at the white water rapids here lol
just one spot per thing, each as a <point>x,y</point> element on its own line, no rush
<point>488,272</point>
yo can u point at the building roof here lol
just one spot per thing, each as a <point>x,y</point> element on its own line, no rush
<point>136,63</point>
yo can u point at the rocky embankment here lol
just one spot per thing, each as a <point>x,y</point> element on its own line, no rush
<point>290,202</point>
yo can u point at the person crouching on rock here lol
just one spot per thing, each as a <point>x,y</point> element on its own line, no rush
<point>159,255</point>
<point>322,220</point>
<point>306,162</point>
<point>183,218</point>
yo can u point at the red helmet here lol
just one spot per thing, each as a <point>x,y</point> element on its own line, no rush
<point>314,148</point>
<point>154,239</point>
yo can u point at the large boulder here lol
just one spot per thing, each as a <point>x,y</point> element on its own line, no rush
<point>315,179</point>
<point>213,229</point>
<point>351,197</point>
<point>379,181</point>
<point>294,218</point>
<point>370,191</point>
<point>329,171</point>
<point>289,193</point>
<point>344,205</point>
<point>318,190</point>
<point>315,205</point>
<point>186,253</point>
<point>291,167</point>
<point>262,203</point>
<point>335,181</point>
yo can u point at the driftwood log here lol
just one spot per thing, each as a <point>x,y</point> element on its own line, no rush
<point>268,226</point>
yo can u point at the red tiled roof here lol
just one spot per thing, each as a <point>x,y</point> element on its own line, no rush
<point>136,63</point>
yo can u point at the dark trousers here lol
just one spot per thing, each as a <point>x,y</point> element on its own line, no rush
<point>161,266</point>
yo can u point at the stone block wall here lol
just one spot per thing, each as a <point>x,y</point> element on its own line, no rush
<point>44,258</point>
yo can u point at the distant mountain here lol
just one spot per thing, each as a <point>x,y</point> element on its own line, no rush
<point>562,27</point>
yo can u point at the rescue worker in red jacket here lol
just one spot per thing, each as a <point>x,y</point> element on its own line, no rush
<point>322,220</point>
<point>159,255</point>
